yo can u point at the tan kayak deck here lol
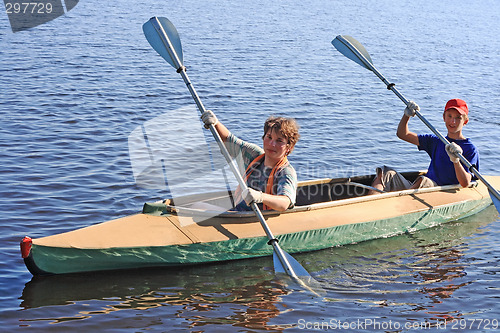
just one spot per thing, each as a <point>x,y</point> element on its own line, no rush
<point>149,230</point>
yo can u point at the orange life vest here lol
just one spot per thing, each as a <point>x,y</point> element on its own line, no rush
<point>270,180</point>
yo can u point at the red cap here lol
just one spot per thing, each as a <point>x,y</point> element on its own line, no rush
<point>458,105</point>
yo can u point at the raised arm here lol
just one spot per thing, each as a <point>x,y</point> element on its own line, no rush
<point>403,131</point>
<point>209,118</point>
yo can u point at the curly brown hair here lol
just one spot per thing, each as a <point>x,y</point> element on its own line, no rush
<point>287,127</point>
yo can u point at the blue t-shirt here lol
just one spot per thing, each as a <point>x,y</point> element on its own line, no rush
<point>441,169</point>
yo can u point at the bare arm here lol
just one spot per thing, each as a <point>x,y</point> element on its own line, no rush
<point>464,178</point>
<point>276,202</point>
<point>209,118</point>
<point>404,133</point>
<point>222,130</point>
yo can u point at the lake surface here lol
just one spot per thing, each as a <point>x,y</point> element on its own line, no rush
<point>74,89</point>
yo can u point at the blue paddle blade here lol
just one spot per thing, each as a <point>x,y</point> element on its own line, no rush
<point>349,47</point>
<point>495,200</point>
<point>294,264</point>
<point>302,277</point>
<point>156,38</point>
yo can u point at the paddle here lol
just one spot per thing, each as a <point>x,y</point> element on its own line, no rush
<point>163,37</point>
<point>355,51</point>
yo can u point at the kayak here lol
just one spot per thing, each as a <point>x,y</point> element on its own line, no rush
<point>329,212</point>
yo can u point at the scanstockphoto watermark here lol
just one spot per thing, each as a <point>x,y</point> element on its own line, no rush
<point>370,324</point>
<point>26,14</point>
<point>360,325</point>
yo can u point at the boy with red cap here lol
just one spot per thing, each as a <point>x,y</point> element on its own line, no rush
<point>445,167</point>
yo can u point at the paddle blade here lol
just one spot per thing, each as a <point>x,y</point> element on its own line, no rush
<point>495,199</point>
<point>302,277</point>
<point>353,50</point>
<point>159,31</point>
<point>294,264</point>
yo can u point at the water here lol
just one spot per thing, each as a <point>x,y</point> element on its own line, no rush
<point>72,90</point>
